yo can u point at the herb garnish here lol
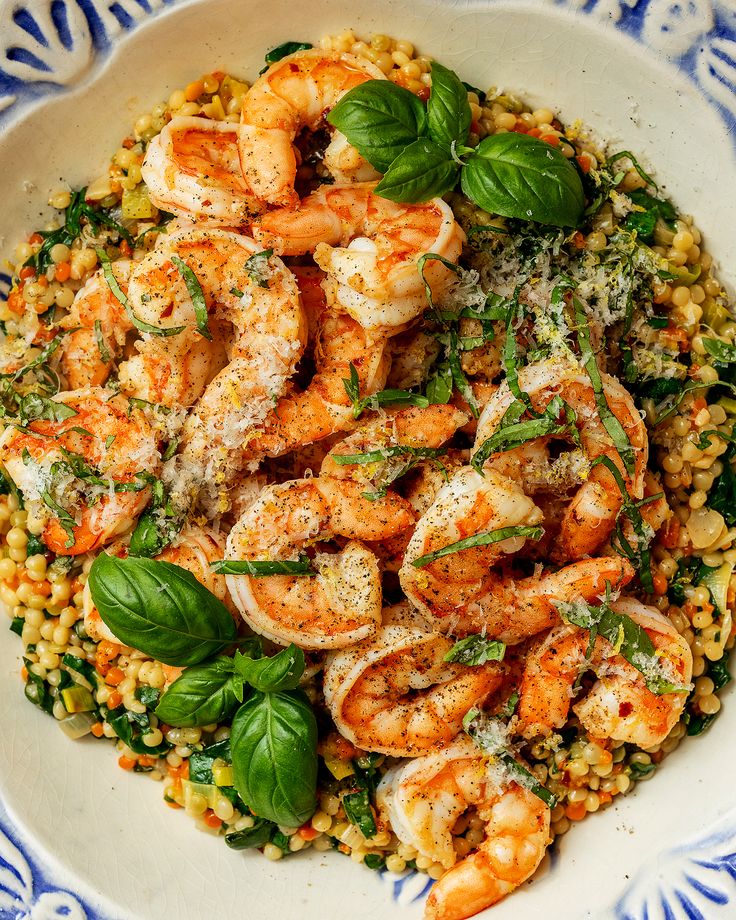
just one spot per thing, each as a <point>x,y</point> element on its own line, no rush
<point>486,538</point>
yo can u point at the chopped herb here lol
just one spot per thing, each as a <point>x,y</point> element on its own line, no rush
<point>626,154</point>
<point>479,539</point>
<point>281,51</point>
<point>109,441</point>
<point>236,292</point>
<point>101,344</point>
<point>639,770</point>
<point>627,638</point>
<point>610,422</point>
<point>380,399</point>
<point>194,289</point>
<point>476,650</point>
<point>358,811</point>
<point>256,267</point>
<point>148,696</point>
<point>77,210</point>
<point>374,861</point>
<point>407,457</point>
<point>722,494</point>
<point>643,222</point>
<point>65,519</point>
<point>118,294</point>
<point>723,352</point>
<point>16,625</point>
<point>33,406</point>
<point>257,568</point>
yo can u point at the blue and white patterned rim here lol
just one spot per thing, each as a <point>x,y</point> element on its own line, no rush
<point>45,46</point>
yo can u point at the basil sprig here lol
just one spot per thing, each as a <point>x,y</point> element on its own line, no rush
<point>160,608</point>
<point>627,638</point>
<point>476,650</point>
<point>422,153</point>
<point>274,750</point>
<point>201,695</point>
<point>486,538</point>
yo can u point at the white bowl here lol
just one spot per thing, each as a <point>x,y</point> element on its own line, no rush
<point>86,839</point>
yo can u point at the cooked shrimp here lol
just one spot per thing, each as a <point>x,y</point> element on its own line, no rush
<point>98,326</point>
<point>429,427</point>
<point>619,705</point>
<point>423,799</point>
<point>255,316</point>
<point>293,94</point>
<point>369,248</point>
<point>193,549</point>
<point>591,514</point>
<point>342,603</point>
<point>324,407</point>
<point>192,168</point>
<point>87,475</point>
<point>395,693</point>
<point>464,591</point>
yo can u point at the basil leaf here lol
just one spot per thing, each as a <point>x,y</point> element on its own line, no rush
<point>515,175</point>
<point>358,811</point>
<point>117,292</point>
<point>33,406</point>
<point>256,836</point>
<point>201,695</point>
<point>479,539</point>
<point>644,222</point>
<point>273,745</point>
<point>423,170</point>
<point>279,672</point>
<point>281,51</point>
<point>160,608</point>
<point>448,109</point>
<point>379,119</point>
<point>257,568</point>
<point>721,351</point>
<point>476,650</point>
<point>194,289</point>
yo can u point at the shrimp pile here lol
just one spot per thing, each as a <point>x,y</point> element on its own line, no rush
<point>292,391</point>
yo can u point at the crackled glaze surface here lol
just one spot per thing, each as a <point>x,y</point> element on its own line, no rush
<point>657,856</point>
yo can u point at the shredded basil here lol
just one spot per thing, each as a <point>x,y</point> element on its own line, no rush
<point>194,289</point>
<point>476,650</point>
<point>479,539</point>
<point>112,283</point>
<point>257,568</point>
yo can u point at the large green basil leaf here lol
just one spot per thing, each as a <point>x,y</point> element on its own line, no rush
<point>160,608</point>
<point>422,171</point>
<point>202,695</point>
<point>515,175</point>
<point>280,672</point>
<point>448,109</point>
<point>273,745</point>
<point>379,119</point>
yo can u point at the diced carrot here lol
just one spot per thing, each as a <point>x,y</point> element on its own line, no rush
<point>172,804</point>
<point>23,673</point>
<point>129,142</point>
<point>97,730</point>
<point>127,763</point>
<point>670,532</point>
<point>42,588</point>
<point>605,757</point>
<point>583,163</point>
<point>553,140</point>
<point>699,403</point>
<point>576,811</point>
<point>605,797</point>
<point>146,760</point>
<point>125,249</point>
<point>114,677</point>
<point>520,127</point>
<point>62,271</point>
<point>28,271</point>
<point>42,281</point>
<point>114,700</point>
<point>193,90</point>
<point>307,832</point>
<point>35,238</point>
<point>16,304</point>
<point>660,584</point>
<point>211,819</point>
<point>534,132</point>
<point>578,240</point>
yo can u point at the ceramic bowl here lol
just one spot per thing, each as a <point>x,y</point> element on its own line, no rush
<point>81,839</point>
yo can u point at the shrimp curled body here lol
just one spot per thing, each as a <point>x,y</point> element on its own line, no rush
<point>422,800</point>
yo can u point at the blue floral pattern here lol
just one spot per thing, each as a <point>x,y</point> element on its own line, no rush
<point>47,45</point>
<point>27,891</point>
